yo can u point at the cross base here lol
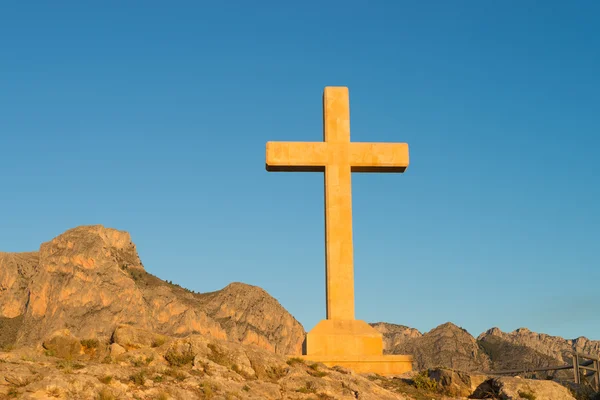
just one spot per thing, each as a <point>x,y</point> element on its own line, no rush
<point>333,337</point>
<point>384,365</point>
<point>355,345</point>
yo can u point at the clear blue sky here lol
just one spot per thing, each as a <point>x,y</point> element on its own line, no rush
<point>152,117</point>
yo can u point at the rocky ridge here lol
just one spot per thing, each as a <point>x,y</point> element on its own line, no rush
<point>90,279</point>
<point>139,364</point>
<point>453,347</point>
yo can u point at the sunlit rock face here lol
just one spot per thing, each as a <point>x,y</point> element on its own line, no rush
<point>90,279</point>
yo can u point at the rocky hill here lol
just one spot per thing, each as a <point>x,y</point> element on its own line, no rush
<point>451,346</point>
<point>82,318</point>
<point>139,364</point>
<point>90,279</point>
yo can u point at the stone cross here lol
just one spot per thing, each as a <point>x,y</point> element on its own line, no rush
<point>337,157</point>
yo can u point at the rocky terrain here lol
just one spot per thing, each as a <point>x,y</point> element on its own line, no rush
<point>90,279</point>
<point>139,364</point>
<point>451,346</point>
<point>82,318</point>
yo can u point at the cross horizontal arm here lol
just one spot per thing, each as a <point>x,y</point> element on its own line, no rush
<point>379,157</point>
<point>296,156</point>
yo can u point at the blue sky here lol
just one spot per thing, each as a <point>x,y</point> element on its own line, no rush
<point>152,117</point>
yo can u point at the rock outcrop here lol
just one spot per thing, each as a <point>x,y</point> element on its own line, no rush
<point>445,346</point>
<point>453,347</point>
<point>394,335</point>
<point>548,347</point>
<point>149,365</point>
<point>515,388</point>
<point>90,279</point>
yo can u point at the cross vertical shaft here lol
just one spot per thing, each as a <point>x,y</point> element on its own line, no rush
<point>339,258</point>
<point>337,157</point>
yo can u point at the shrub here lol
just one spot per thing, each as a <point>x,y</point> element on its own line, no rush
<point>174,373</point>
<point>295,360</point>
<point>276,373</point>
<point>176,359</point>
<point>138,378</point>
<point>106,379</point>
<point>314,371</point>
<point>527,395</point>
<point>90,343</point>
<point>309,387</point>
<point>422,381</point>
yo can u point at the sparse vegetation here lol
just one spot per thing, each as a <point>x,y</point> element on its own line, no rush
<point>106,379</point>
<point>136,274</point>
<point>527,395</point>
<point>53,392</point>
<point>175,373</point>
<point>324,396</point>
<point>12,392</point>
<point>90,343</point>
<point>140,362</point>
<point>106,394</point>
<point>218,356</point>
<point>246,388</point>
<point>139,378</point>
<point>274,373</point>
<point>206,390</point>
<point>422,381</point>
<point>309,387</point>
<point>406,387</point>
<point>68,366</point>
<point>177,359</point>
<point>313,369</point>
<point>295,360</point>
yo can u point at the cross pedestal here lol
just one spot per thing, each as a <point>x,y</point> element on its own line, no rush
<point>341,339</point>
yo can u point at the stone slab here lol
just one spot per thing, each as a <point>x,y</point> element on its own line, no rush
<point>385,365</point>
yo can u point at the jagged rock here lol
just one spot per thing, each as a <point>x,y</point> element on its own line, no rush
<point>250,315</point>
<point>509,388</point>
<point>445,346</point>
<point>555,348</point>
<point>395,335</point>
<point>131,337</point>
<point>452,347</point>
<point>116,350</point>
<point>191,367</point>
<point>508,355</point>
<point>90,280</point>
<point>456,383</point>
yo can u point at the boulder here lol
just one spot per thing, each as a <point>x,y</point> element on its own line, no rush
<point>515,388</point>
<point>63,344</point>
